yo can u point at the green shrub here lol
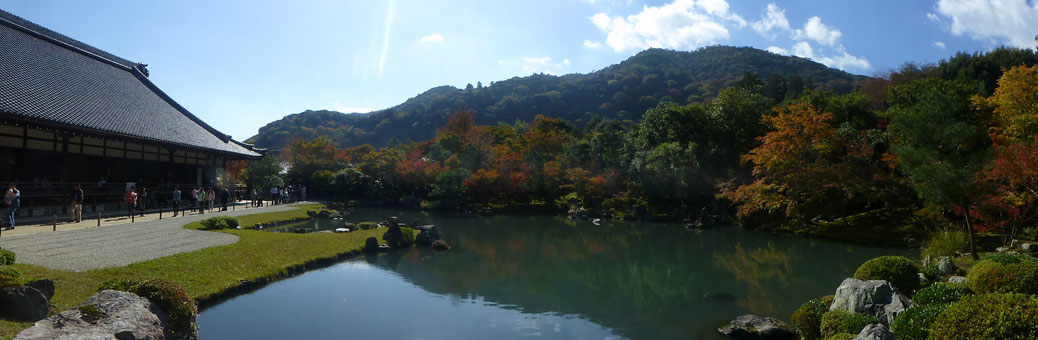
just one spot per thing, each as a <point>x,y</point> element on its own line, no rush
<point>1009,258</point>
<point>10,277</point>
<point>915,323</point>
<point>178,305</point>
<point>220,222</point>
<point>367,225</point>
<point>807,320</point>
<point>988,316</point>
<point>122,285</point>
<point>939,293</point>
<point>842,336</point>
<point>931,273</point>
<point>898,270</point>
<point>7,257</point>
<point>988,276</point>
<point>946,243</point>
<point>843,321</point>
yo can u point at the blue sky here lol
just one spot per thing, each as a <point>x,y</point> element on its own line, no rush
<point>242,64</point>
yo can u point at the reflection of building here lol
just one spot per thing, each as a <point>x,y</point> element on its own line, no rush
<point>72,113</point>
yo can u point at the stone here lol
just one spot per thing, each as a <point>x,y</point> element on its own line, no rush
<point>756,327</point>
<point>394,237</point>
<point>1031,247</point>
<point>957,279</point>
<point>311,213</point>
<point>440,245</point>
<point>945,266</point>
<point>106,315</point>
<point>1003,249</point>
<point>324,214</point>
<point>873,297</point>
<point>23,303</point>
<point>371,245</point>
<point>45,286</point>
<point>875,331</point>
<point>427,235</point>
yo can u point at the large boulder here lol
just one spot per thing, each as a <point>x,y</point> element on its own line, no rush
<point>752,327</point>
<point>396,238</point>
<point>875,331</point>
<point>427,234</point>
<point>23,303</point>
<point>45,286</point>
<point>371,245</point>
<point>107,315</point>
<point>945,266</point>
<point>873,297</point>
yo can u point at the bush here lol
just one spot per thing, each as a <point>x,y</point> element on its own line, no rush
<point>178,305</point>
<point>7,257</point>
<point>988,276</point>
<point>898,270</point>
<point>915,323</point>
<point>120,285</point>
<point>843,321</point>
<point>367,225</point>
<point>940,293</point>
<point>946,243</point>
<point>10,277</point>
<point>220,222</point>
<point>807,320</point>
<point>931,273</point>
<point>988,316</point>
<point>1010,258</point>
<point>842,336</point>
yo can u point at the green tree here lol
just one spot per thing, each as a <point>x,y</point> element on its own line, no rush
<point>263,174</point>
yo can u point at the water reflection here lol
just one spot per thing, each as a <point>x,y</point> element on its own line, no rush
<point>635,280</point>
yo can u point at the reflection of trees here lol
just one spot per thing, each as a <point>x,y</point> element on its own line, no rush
<point>762,270</point>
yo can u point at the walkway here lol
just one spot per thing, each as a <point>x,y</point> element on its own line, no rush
<point>83,246</point>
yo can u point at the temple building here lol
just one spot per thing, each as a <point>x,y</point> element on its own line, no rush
<point>72,113</point>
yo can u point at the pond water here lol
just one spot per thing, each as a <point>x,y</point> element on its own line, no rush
<point>545,277</point>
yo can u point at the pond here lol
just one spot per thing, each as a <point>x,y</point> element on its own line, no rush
<point>512,277</point>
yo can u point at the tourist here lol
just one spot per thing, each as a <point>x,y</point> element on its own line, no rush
<point>211,196</point>
<point>201,201</point>
<point>142,200</point>
<point>273,195</point>
<point>225,196</point>
<point>176,201</point>
<point>131,200</point>
<point>77,203</point>
<point>13,199</point>
<point>194,197</point>
<point>302,193</point>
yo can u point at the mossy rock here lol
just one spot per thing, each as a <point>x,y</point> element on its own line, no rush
<point>807,320</point>
<point>989,276</point>
<point>898,270</point>
<point>988,316</point>
<point>915,323</point>
<point>843,321</point>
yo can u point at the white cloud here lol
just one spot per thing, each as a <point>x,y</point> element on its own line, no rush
<point>777,50</point>
<point>390,15</point>
<point>775,18</point>
<point>842,60</point>
<point>592,44</point>
<point>432,38</point>
<point>1012,22</point>
<point>681,24</point>
<point>938,44</point>
<point>815,30</point>
<point>932,17</point>
<point>529,65</point>
<point>803,49</point>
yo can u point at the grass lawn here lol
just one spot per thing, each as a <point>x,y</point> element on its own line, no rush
<point>258,256</point>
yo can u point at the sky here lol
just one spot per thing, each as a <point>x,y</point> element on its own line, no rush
<point>239,64</point>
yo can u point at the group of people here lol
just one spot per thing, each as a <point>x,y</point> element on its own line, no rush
<point>200,200</point>
<point>286,194</point>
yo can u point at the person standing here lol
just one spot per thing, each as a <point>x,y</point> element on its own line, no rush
<point>211,196</point>
<point>77,203</point>
<point>225,196</point>
<point>176,201</point>
<point>273,195</point>
<point>142,200</point>
<point>131,201</point>
<point>194,198</point>
<point>201,201</point>
<point>13,199</point>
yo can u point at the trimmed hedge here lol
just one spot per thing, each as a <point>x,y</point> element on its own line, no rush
<point>988,276</point>
<point>898,270</point>
<point>220,222</point>
<point>941,292</point>
<point>988,316</point>
<point>915,323</point>
<point>7,257</point>
<point>179,306</point>
<point>843,321</point>
<point>807,320</point>
<point>10,277</point>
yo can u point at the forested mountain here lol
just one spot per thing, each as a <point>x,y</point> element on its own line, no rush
<point>623,91</point>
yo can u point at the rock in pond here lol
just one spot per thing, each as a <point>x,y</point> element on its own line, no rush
<point>107,315</point>
<point>371,245</point>
<point>427,235</point>
<point>875,331</point>
<point>752,327</point>
<point>878,298</point>
<point>23,303</point>
<point>45,286</point>
<point>440,245</point>
<point>395,237</point>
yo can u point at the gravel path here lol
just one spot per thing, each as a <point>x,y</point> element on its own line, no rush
<point>120,245</point>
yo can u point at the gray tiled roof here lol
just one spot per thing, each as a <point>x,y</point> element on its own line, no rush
<point>48,77</point>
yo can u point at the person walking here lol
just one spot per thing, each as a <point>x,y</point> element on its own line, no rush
<point>225,196</point>
<point>142,200</point>
<point>273,195</point>
<point>176,201</point>
<point>77,204</point>
<point>211,196</point>
<point>201,201</point>
<point>194,198</point>
<point>13,199</point>
<point>131,201</point>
